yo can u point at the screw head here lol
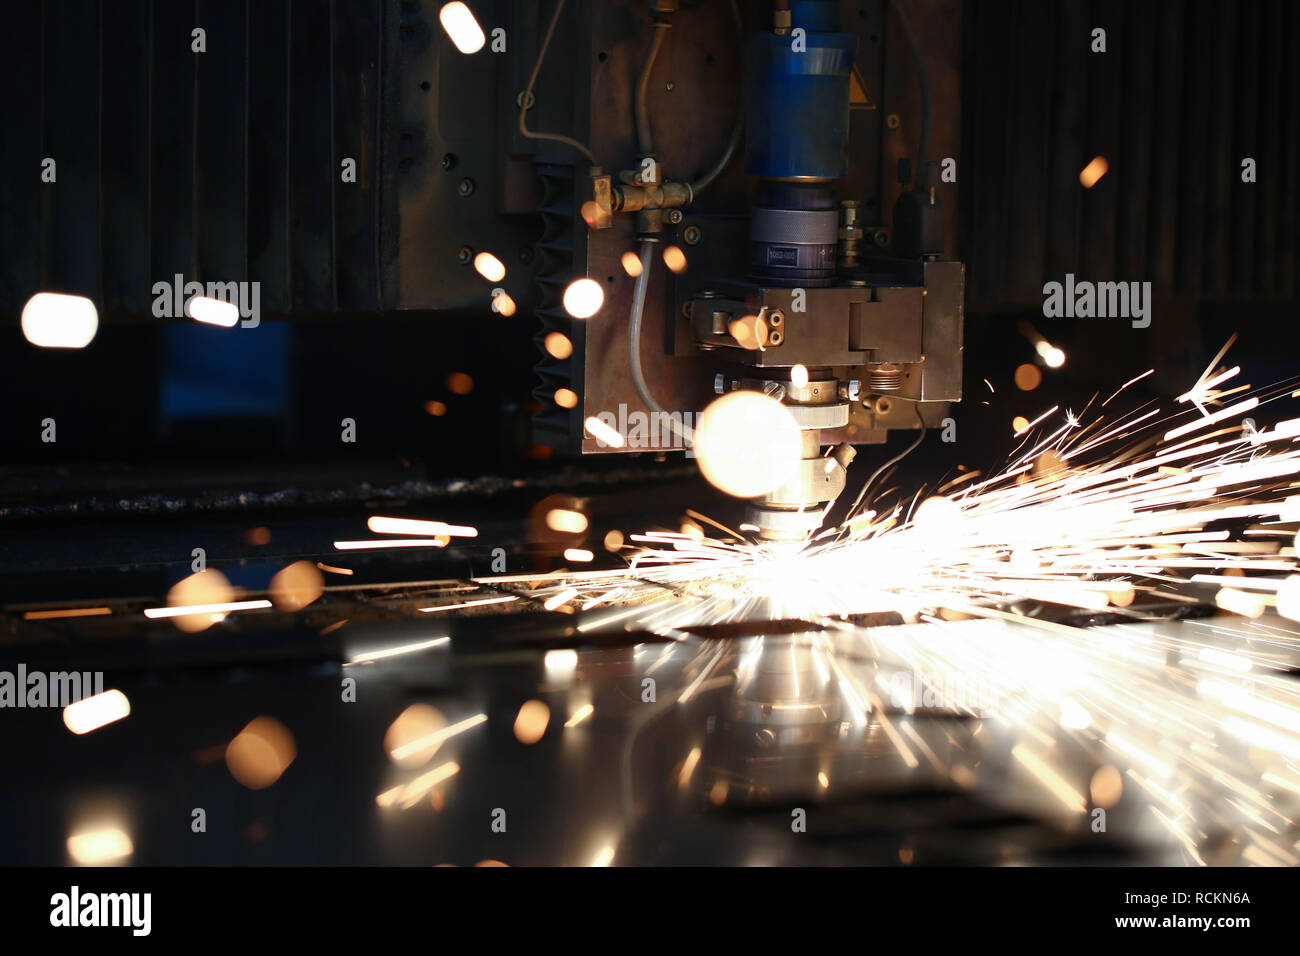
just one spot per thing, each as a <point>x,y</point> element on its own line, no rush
<point>466,187</point>
<point>519,100</point>
<point>674,216</point>
<point>893,121</point>
<point>692,235</point>
<point>464,254</point>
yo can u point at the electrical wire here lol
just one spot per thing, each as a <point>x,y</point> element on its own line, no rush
<point>924,76</point>
<point>889,464</point>
<point>528,95</point>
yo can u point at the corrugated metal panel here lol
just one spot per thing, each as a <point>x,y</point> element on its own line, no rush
<point>1184,92</point>
<point>222,165</point>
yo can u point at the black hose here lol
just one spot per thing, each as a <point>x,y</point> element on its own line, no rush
<point>737,128</point>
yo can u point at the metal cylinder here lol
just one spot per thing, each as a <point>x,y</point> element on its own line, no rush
<point>798,103</point>
<point>794,234</point>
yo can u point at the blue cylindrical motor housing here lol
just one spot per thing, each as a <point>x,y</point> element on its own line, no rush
<point>798,101</point>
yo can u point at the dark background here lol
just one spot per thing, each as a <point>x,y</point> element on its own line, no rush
<point>224,165</point>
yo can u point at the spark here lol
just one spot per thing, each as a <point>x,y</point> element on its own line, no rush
<point>391,543</point>
<point>91,713</point>
<point>579,715</point>
<point>381,525</point>
<point>412,648</point>
<point>214,609</point>
<point>58,613</point>
<point>1117,513</point>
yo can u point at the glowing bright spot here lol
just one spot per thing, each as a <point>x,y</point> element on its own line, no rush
<point>464,31</point>
<point>260,753</point>
<point>1073,715</point>
<point>1240,602</point>
<point>91,713</point>
<point>799,376</point>
<point>583,298</point>
<point>1052,356</point>
<point>824,780</point>
<point>747,444</point>
<point>631,264</point>
<point>560,662</point>
<point>1091,174</point>
<point>1121,594</point>
<point>566,521</point>
<point>674,259</point>
<point>1028,377</point>
<point>92,847</point>
<point>579,715</point>
<point>489,267</point>
<point>604,858</point>
<point>52,320</point>
<point>213,311</point>
<point>578,555</point>
<point>296,586</point>
<point>458,383</point>
<point>531,722</point>
<point>613,540</point>
<point>415,736</point>
<point>557,345</point>
<point>749,331</point>
<point>590,212</point>
<point>502,304</point>
<point>1288,597</point>
<point>604,432</point>
<point>436,409</point>
<point>1243,602</point>
<point>1107,787</point>
<point>566,397</point>
<point>936,513</point>
<point>1019,424</point>
<point>199,590</point>
<point>558,600</point>
<point>381,524</point>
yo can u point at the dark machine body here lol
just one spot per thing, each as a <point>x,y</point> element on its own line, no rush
<point>791,290</point>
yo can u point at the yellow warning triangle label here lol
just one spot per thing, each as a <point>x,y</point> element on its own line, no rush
<point>858,99</point>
